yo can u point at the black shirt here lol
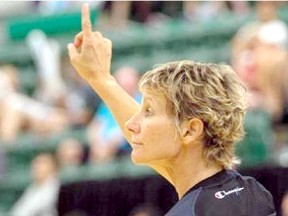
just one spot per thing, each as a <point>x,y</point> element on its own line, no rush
<point>223,194</point>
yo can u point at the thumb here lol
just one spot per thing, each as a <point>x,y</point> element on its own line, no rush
<point>72,50</point>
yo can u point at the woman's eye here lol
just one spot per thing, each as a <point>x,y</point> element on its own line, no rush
<point>148,112</point>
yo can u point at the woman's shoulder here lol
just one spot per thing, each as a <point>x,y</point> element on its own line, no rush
<point>226,193</point>
<point>235,195</point>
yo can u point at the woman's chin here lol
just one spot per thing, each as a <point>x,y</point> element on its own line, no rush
<point>137,159</point>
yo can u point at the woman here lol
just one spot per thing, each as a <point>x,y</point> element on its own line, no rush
<point>186,127</point>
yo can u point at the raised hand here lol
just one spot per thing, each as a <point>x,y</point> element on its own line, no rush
<point>91,53</point>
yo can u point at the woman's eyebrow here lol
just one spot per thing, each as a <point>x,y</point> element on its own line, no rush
<point>148,99</point>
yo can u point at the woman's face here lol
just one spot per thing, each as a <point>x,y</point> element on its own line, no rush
<point>154,134</point>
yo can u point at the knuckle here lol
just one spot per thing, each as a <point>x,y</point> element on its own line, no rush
<point>79,37</point>
<point>79,34</point>
<point>98,34</point>
<point>108,42</point>
<point>86,24</point>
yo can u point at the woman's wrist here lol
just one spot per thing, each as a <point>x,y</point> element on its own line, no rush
<point>107,82</point>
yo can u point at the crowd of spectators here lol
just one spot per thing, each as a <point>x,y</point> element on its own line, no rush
<point>61,101</point>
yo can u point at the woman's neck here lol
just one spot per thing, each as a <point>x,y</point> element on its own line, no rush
<point>196,174</point>
<point>185,171</point>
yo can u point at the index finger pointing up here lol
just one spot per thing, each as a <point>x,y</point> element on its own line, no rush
<point>86,23</point>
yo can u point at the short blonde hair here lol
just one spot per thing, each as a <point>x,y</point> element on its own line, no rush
<point>211,92</point>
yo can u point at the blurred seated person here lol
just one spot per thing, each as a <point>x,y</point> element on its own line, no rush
<point>271,68</point>
<point>104,135</point>
<point>41,196</point>
<point>265,72</point>
<point>70,154</point>
<point>19,113</point>
<point>259,56</point>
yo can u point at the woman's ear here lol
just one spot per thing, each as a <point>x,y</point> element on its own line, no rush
<point>192,130</point>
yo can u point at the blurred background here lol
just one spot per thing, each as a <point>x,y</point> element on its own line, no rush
<point>61,152</point>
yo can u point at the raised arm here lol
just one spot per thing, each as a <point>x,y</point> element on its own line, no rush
<point>90,54</point>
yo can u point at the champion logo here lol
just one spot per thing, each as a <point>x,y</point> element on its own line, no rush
<point>222,194</point>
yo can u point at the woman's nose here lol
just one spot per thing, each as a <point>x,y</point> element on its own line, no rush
<point>132,124</point>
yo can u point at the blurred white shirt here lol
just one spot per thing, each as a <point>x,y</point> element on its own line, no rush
<point>38,200</point>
